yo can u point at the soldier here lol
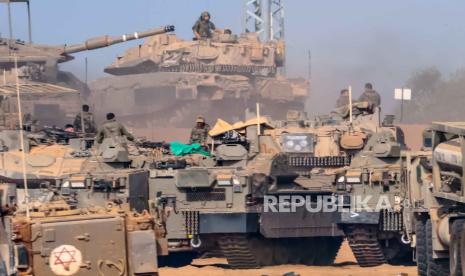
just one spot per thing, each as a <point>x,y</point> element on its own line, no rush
<point>343,99</point>
<point>112,129</point>
<point>89,122</point>
<point>203,28</point>
<point>199,133</point>
<point>370,96</point>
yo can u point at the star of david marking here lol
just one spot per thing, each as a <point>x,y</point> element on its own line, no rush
<point>65,257</point>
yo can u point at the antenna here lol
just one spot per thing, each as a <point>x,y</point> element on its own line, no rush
<point>21,138</point>
<point>309,68</point>
<point>350,104</point>
<point>83,128</point>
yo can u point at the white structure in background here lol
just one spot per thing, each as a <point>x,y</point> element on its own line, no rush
<point>402,94</point>
<point>265,17</point>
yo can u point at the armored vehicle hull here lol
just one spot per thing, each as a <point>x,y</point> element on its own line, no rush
<point>171,98</point>
<point>56,241</point>
<point>225,203</point>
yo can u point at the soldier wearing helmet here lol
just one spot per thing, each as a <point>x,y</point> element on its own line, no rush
<point>89,122</point>
<point>199,133</point>
<point>113,129</point>
<point>370,96</point>
<point>343,100</point>
<point>203,28</point>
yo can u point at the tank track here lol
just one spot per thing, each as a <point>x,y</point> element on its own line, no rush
<point>237,251</point>
<point>365,245</point>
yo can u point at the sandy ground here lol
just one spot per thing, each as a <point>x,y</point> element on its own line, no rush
<point>345,265</point>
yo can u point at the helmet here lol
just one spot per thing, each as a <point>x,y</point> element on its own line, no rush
<point>203,14</point>
<point>200,119</point>
<point>368,85</point>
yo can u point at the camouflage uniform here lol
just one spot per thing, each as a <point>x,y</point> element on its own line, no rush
<point>113,129</point>
<point>370,96</point>
<point>199,134</point>
<point>89,123</point>
<point>204,28</point>
<point>342,101</point>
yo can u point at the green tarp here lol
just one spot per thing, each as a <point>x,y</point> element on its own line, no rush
<point>180,149</point>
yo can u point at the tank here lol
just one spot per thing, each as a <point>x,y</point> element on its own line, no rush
<point>168,80</point>
<point>51,96</point>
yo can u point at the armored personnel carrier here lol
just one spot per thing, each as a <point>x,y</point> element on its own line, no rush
<point>354,158</point>
<point>434,213</point>
<point>56,239</point>
<point>168,80</point>
<point>226,201</point>
<point>87,175</point>
<point>374,189</point>
<point>50,95</point>
<point>79,220</point>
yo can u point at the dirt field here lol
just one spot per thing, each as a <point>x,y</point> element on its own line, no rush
<point>345,265</point>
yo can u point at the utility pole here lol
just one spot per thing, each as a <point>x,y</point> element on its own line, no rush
<point>10,23</point>
<point>265,17</point>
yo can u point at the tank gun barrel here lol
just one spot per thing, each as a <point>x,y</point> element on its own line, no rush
<point>104,41</point>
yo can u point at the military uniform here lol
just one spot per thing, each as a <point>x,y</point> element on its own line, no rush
<point>204,28</point>
<point>113,129</point>
<point>199,134</point>
<point>342,101</point>
<point>370,96</point>
<point>89,123</point>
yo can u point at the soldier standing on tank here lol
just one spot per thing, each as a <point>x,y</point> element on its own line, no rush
<point>113,129</point>
<point>89,122</point>
<point>203,28</point>
<point>370,96</point>
<point>343,99</point>
<point>199,133</point>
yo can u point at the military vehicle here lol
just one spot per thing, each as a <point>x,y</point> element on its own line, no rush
<point>221,201</point>
<point>170,80</point>
<point>51,96</point>
<point>75,190</point>
<point>434,213</point>
<point>87,174</point>
<point>54,238</point>
<point>373,185</point>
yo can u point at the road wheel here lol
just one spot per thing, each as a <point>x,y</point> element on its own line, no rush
<point>436,267</point>
<point>422,259</point>
<point>454,248</point>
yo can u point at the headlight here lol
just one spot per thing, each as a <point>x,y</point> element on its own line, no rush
<point>297,142</point>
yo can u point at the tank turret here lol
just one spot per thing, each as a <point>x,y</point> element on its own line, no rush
<point>51,101</point>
